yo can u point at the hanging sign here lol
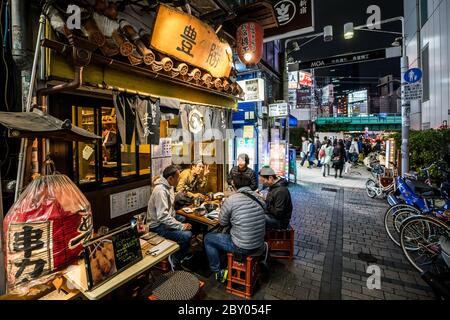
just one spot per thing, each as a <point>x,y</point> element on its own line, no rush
<point>253,89</point>
<point>278,110</point>
<point>293,80</point>
<point>188,39</point>
<point>294,18</point>
<point>249,41</point>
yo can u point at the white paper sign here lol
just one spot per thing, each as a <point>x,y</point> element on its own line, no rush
<point>87,152</point>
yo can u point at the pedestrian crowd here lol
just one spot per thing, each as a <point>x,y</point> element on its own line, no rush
<point>339,154</point>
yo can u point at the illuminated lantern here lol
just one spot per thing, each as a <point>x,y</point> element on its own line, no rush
<point>250,43</point>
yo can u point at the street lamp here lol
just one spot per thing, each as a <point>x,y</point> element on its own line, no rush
<point>406,106</point>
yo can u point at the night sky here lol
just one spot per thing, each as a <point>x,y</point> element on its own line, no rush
<point>337,13</point>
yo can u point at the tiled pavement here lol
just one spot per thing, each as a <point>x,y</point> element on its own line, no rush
<point>333,226</point>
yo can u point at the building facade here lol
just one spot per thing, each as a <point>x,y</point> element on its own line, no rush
<point>428,47</point>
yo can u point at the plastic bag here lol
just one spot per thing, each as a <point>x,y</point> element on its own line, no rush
<point>44,231</point>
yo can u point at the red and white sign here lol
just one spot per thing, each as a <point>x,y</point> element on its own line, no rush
<point>305,79</point>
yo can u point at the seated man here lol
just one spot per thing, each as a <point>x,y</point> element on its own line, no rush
<point>161,215</point>
<point>193,180</point>
<point>278,200</point>
<point>242,167</point>
<point>245,215</point>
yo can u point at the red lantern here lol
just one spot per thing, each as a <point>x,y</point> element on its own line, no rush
<point>250,43</point>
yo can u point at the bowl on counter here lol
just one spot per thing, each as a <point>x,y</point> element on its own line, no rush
<point>201,211</point>
<point>210,207</point>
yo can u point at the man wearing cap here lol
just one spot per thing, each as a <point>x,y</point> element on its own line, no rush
<point>194,179</point>
<point>242,168</point>
<point>278,200</point>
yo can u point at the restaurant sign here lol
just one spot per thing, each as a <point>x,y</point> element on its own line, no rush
<point>188,39</point>
<point>295,17</point>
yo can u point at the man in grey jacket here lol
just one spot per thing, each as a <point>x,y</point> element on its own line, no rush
<point>161,215</point>
<point>245,214</point>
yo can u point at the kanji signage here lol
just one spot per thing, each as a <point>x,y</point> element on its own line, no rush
<point>413,91</point>
<point>305,79</point>
<point>253,89</point>
<point>294,17</point>
<point>278,110</point>
<point>249,40</point>
<point>188,39</point>
<point>347,59</point>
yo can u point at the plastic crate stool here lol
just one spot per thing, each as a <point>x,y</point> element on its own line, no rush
<point>281,243</point>
<point>243,273</point>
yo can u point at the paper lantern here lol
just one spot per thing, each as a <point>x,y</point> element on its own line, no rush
<point>250,43</point>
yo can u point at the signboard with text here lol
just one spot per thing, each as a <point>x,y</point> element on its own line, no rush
<point>253,89</point>
<point>294,18</point>
<point>188,39</point>
<point>278,110</point>
<point>347,59</point>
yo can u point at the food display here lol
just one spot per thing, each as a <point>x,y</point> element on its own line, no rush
<point>102,261</point>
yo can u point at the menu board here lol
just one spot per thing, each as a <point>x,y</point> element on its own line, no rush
<point>110,254</point>
<point>278,158</point>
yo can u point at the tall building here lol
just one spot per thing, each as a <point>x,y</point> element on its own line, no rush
<point>428,47</point>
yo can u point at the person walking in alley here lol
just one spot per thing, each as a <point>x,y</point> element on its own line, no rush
<point>304,153</point>
<point>311,154</point>
<point>339,159</point>
<point>326,156</point>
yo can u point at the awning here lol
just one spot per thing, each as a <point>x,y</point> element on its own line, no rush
<point>293,121</point>
<point>36,124</point>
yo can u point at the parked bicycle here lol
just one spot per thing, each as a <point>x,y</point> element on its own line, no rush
<point>382,183</point>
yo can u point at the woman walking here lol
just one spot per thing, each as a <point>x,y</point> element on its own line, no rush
<point>327,155</point>
<point>311,154</point>
<point>339,159</point>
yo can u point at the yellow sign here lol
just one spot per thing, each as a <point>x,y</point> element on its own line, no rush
<point>188,39</point>
<point>249,132</point>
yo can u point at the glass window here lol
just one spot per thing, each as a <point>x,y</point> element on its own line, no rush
<point>110,145</point>
<point>144,159</point>
<point>85,153</point>
<point>423,12</point>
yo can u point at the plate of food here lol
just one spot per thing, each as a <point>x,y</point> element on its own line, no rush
<point>219,196</point>
<point>188,210</point>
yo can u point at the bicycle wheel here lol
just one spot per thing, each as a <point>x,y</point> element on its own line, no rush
<point>370,188</point>
<point>394,217</point>
<point>425,234</point>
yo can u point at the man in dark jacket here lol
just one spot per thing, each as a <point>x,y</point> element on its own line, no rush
<point>278,200</point>
<point>244,213</point>
<point>242,168</point>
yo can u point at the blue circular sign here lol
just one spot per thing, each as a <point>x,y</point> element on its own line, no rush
<point>413,75</point>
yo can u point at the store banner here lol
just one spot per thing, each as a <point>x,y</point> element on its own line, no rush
<point>305,79</point>
<point>294,17</point>
<point>188,39</point>
<point>253,89</point>
<point>293,80</point>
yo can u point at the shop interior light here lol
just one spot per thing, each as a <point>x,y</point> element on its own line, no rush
<point>328,33</point>
<point>349,31</point>
<point>248,56</point>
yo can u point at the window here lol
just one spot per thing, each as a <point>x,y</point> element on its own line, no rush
<point>426,73</point>
<point>108,160</point>
<point>423,12</point>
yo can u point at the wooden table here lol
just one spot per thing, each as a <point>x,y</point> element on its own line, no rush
<point>200,219</point>
<point>76,275</point>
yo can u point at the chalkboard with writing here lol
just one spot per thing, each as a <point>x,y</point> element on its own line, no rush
<point>110,254</point>
<point>127,249</point>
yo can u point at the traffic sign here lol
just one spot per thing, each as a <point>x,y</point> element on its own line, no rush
<point>413,91</point>
<point>413,75</point>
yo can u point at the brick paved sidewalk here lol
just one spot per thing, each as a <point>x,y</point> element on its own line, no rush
<point>334,226</point>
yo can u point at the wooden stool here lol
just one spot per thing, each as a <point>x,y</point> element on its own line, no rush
<point>164,266</point>
<point>242,275</point>
<point>281,243</point>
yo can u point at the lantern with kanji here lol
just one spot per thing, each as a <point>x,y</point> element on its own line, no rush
<point>250,43</point>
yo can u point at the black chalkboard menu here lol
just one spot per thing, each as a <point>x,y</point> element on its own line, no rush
<point>110,254</point>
